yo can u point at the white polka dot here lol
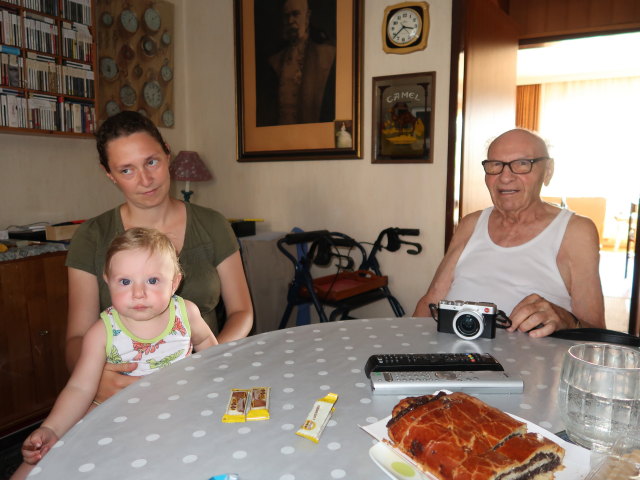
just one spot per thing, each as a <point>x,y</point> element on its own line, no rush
<point>399,334</point>
<point>346,338</point>
<point>405,344</point>
<point>318,339</point>
<point>152,437</point>
<point>360,385</point>
<point>256,364</point>
<point>198,434</point>
<point>368,328</point>
<point>239,454</point>
<point>190,368</point>
<point>105,441</point>
<point>287,450</point>
<point>87,467</point>
<point>289,362</point>
<point>338,473</point>
<point>196,355</point>
<point>58,444</point>
<point>539,358</point>
<point>288,390</point>
<point>545,424</point>
<point>325,387</point>
<point>173,397</point>
<point>218,379</point>
<point>144,384</point>
<point>141,462</point>
<point>511,360</point>
<point>289,351</point>
<point>365,400</point>
<point>288,406</point>
<point>212,395</point>
<point>119,419</point>
<point>254,377</point>
<point>394,326</point>
<point>323,372</point>
<point>288,375</point>
<point>244,430</point>
<point>333,423</point>
<point>372,419</point>
<point>316,330</point>
<point>320,360</point>
<point>342,329</point>
<point>377,345</point>
<point>164,416</point>
<point>261,342</point>
<point>525,406</point>
<point>319,349</point>
<point>525,372</point>
<point>228,354</point>
<point>289,340</point>
<point>233,344</point>
<point>287,426</point>
<point>182,382</point>
<point>206,413</point>
<point>542,387</point>
<point>224,366</point>
<point>348,347</point>
<point>525,347</point>
<point>351,359</point>
<point>189,458</point>
<point>334,446</point>
<point>36,470</point>
<point>497,349</point>
<point>355,370</point>
<point>258,353</point>
<point>555,368</point>
<point>287,476</point>
<point>133,400</point>
<point>373,336</point>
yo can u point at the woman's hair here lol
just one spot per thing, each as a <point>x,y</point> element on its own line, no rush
<point>147,239</point>
<point>124,124</point>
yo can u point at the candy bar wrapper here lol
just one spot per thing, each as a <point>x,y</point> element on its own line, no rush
<point>318,418</point>
<point>259,407</point>
<point>237,406</point>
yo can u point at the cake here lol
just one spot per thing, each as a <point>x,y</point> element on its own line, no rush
<point>458,437</point>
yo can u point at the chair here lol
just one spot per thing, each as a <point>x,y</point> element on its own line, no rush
<point>631,236</point>
<point>349,287</point>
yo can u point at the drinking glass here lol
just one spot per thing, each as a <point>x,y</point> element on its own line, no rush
<point>599,394</point>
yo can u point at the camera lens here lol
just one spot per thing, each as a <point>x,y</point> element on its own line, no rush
<point>468,325</point>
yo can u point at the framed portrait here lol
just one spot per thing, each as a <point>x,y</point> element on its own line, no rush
<point>403,118</point>
<point>298,79</point>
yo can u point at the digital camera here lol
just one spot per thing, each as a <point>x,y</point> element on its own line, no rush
<point>468,320</point>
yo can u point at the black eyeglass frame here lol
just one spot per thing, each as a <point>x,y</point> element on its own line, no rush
<point>530,160</point>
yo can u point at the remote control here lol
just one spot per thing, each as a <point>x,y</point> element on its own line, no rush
<point>421,383</point>
<point>426,362</point>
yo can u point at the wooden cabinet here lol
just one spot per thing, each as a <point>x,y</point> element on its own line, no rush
<point>48,59</point>
<point>33,318</point>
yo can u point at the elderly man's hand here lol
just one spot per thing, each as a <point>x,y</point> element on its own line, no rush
<point>540,317</point>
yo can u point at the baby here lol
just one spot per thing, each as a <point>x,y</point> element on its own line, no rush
<point>147,324</point>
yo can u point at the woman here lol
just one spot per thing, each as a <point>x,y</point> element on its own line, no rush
<point>136,159</point>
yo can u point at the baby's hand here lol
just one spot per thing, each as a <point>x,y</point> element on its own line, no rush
<point>38,444</point>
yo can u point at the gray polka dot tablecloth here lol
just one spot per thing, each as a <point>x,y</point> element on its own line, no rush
<point>168,425</point>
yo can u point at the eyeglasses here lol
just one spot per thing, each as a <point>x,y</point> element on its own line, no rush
<point>520,166</point>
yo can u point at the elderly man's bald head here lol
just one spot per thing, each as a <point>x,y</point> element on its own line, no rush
<point>526,139</point>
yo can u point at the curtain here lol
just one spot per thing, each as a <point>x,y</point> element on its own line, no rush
<point>528,107</point>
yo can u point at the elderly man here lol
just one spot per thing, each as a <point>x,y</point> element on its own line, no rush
<point>537,262</point>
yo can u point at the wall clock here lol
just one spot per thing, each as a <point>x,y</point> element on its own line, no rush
<point>129,21</point>
<point>152,93</point>
<point>167,118</point>
<point>128,96</point>
<point>112,107</point>
<point>152,19</point>
<point>405,27</point>
<point>108,68</point>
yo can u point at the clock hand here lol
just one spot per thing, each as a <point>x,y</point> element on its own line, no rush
<point>398,32</point>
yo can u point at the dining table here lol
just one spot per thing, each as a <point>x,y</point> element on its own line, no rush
<point>169,424</point>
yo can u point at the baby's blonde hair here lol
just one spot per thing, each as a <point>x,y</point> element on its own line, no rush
<point>148,239</point>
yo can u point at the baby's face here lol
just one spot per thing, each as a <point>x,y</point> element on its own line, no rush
<point>141,284</point>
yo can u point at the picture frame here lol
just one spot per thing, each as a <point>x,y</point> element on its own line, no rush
<point>314,113</point>
<point>402,123</point>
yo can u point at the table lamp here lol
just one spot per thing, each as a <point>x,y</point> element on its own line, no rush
<point>188,167</point>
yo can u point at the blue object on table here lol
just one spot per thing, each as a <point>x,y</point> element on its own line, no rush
<point>226,476</point>
<point>303,316</point>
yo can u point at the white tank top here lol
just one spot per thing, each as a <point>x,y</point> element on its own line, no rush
<point>487,272</point>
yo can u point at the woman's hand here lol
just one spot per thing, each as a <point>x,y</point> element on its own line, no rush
<point>112,380</point>
<point>540,317</point>
<point>38,444</point>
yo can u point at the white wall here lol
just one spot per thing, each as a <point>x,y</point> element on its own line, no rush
<point>352,196</point>
<point>56,179</point>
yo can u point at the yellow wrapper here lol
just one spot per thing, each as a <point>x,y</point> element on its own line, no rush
<point>259,407</point>
<point>318,418</point>
<point>237,406</point>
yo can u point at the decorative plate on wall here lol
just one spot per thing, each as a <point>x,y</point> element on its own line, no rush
<point>135,51</point>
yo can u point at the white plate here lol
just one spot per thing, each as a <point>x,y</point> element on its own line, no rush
<point>399,467</point>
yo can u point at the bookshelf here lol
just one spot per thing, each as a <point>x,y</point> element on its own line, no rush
<point>48,64</point>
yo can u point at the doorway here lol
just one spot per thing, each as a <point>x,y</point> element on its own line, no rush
<point>587,108</point>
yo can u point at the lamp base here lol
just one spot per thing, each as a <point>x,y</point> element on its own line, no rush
<point>186,195</point>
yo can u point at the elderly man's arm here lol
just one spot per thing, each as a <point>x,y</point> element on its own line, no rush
<point>578,261</point>
<point>443,277</point>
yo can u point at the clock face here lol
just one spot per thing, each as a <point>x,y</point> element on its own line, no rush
<point>129,21</point>
<point>167,118</point>
<point>152,19</point>
<point>107,19</point>
<point>166,38</point>
<point>152,93</point>
<point>112,107</point>
<point>148,46</point>
<point>108,68</point>
<point>166,73</point>
<point>404,27</point>
<point>128,95</point>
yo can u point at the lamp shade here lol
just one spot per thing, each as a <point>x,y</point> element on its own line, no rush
<point>189,167</point>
